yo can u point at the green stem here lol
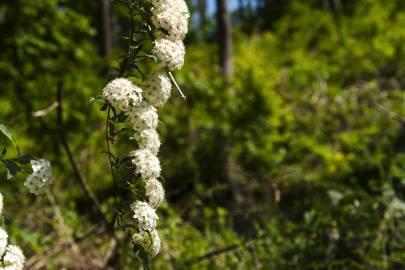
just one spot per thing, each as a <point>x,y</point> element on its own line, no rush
<point>108,142</point>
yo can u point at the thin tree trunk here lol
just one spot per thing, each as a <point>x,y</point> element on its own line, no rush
<point>105,23</point>
<point>202,10</point>
<point>250,10</point>
<point>225,39</point>
<point>241,9</point>
<point>334,6</point>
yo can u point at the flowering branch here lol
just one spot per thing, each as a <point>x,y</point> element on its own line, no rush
<point>164,22</point>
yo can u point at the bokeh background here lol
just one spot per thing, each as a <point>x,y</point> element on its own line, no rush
<point>289,152</point>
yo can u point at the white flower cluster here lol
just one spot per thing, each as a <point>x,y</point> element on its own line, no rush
<point>149,241</point>
<point>140,105</point>
<point>3,241</point>
<point>178,5</point>
<point>123,94</point>
<point>158,89</point>
<point>11,256</point>
<point>147,164</point>
<point>149,139</point>
<point>174,22</point>
<point>143,117</point>
<point>172,16</point>
<point>170,53</point>
<point>145,215</point>
<point>40,178</point>
<point>155,192</point>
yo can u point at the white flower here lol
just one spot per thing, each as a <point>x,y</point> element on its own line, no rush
<point>147,164</point>
<point>123,94</point>
<point>173,21</point>
<point>158,89</point>
<point>145,215</point>
<point>148,139</point>
<point>1,203</point>
<point>178,5</point>
<point>41,176</point>
<point>150,242</point>
<point>13,259</point>
<point>3,241</point>
<point>155,192</point>
<point>143,117</point>
<point>170,53</point>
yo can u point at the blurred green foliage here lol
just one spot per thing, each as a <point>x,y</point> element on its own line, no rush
<point>298,164</point>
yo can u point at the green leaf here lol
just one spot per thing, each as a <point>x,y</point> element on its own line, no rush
<point>111,128</point>
<point>91,100</point>
<point>7,132</point>
<point>153,57</point>
<point>121,117</point>
<point>122,130</point>
<point>12,168</point>
<point>104,107</point>
<point>24,159</point>
<point>139,71</point>
<point>114,112</point>
<point>4,152</point>
<point>126,159</point>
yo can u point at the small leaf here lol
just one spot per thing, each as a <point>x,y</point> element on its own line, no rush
<point>122,130</point>
<point>12,168</point>
<point>111,128</point>
<point>139,71</point>
<point>4,151</point>
<point>114,112</point>
<point>133,47</point>
<point>104,107</point>
<point>7,132</point>
<point>121,117</point>
<point>126,159</point>
<point>24,159</point>
<point>116,162</point>
<point>91,100</point>
<point>153,57</point>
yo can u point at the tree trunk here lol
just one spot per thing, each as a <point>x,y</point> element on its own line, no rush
<point>202,10</point>
<point>334,6</point>
<point>105,23</point>
<point>250,9</point>
<point>241,10</point>
<point>224,39</point>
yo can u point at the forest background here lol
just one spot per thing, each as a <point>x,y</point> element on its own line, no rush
<point>289,152</point>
